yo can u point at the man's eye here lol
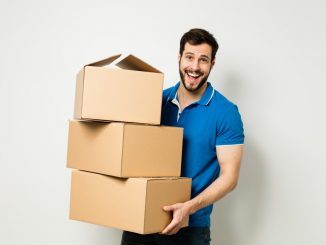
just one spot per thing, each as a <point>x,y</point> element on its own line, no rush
<point>205,61</point>
<point>189,57</point>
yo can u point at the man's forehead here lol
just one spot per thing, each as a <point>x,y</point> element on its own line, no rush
<point>203,49</point>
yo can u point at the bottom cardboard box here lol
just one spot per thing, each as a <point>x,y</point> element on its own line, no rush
<point>133,204</point>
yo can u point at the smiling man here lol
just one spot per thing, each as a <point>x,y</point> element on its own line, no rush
<point>212,144</point>
<point>194,73</point>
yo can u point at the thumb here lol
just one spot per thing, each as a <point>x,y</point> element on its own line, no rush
<point>168,208</point>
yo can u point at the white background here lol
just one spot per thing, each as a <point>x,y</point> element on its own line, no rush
<point>271,63</point>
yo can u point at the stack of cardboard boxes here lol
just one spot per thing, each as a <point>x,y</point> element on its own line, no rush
<point>127,166</point>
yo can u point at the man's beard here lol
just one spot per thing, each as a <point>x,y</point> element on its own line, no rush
<point>200,84</point>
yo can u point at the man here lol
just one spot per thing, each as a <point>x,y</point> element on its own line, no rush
<point>212,145</point>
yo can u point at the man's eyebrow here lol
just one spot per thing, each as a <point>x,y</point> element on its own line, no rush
<point>205,56</point>
<point>202,56</point>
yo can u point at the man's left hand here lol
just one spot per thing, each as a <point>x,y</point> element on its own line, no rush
<point>181,211</point>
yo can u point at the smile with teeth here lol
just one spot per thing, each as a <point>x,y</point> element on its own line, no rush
<point>193,74</point>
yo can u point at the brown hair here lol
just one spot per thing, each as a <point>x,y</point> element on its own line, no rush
<point>198,36</point>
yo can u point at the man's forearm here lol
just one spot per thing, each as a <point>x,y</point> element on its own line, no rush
<point>214,192</point>
<point>229,158</point>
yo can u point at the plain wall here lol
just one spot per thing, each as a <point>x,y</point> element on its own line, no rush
<point>271,63</point>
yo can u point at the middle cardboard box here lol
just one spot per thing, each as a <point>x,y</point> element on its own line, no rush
<point>125,149</point>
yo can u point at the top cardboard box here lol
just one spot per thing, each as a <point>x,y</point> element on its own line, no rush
<point>129,92</point>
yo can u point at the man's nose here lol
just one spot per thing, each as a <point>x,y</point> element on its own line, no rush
<point>195,65</point>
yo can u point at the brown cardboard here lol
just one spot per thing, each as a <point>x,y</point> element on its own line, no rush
<point>130,94</point>
<point>133,204</point>
<point>125,149</point>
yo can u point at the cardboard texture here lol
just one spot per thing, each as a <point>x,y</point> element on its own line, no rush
<point>124,149</point>
<point>133,204</point>
<point>130,94</point>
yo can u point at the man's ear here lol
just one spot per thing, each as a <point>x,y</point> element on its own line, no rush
<point>213,63</point>
<point>179,57</point>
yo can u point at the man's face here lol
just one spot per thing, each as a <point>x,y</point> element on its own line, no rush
<point>195,65</point>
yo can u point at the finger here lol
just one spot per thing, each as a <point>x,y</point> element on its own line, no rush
<point>170,227</point>
<point>169,208</point>
<point>174,230</point>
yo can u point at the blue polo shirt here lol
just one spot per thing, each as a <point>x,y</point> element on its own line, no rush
<point>208,123</point>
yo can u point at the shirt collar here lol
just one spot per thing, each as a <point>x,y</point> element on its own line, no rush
<point>204,100</point>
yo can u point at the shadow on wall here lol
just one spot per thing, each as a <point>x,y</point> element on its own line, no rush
<point>235,218</point>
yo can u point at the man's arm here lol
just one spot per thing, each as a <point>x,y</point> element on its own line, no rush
<point>229,158</point>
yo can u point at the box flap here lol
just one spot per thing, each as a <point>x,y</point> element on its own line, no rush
<point>133,63</point>
<point>105,61</point>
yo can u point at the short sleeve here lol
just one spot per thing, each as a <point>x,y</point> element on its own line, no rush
<point>230,128</point>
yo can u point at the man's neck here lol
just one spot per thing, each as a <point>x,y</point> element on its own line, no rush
<point>186,97</point>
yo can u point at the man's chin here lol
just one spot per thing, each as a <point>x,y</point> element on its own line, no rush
<point>194,87</point>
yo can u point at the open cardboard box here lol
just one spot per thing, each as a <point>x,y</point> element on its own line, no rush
<point>125,149</point>
<point>130,94</point>
<point>133,204</point>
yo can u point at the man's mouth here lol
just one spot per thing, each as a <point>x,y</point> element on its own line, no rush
<point>193,75</point>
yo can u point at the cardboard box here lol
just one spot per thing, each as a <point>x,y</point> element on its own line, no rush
<point>133,204</point>
<point>130,94</point>
<point>124,149</point>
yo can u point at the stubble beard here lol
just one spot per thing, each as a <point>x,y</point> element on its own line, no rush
<point>200,84</point>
